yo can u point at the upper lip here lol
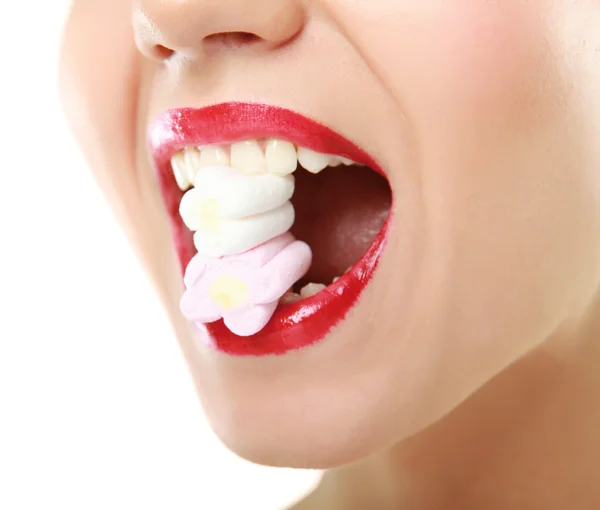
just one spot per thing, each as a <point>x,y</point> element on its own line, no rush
<point>235,121</point>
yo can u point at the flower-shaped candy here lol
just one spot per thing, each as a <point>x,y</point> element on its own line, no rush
<point>244,289</point>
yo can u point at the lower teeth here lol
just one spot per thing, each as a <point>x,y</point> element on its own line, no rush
<point>311,289</point>
<point>289,298</point>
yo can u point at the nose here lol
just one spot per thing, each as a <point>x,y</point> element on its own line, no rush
<point>166,27</point>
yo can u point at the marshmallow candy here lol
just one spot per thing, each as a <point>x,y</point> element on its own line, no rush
<point>244,290</point>
<point>232,212</point>
<point>233,194</point>
<point>231,237</point>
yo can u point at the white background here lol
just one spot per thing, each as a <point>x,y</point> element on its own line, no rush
<point>97,410</point>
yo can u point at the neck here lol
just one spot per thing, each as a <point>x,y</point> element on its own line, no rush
<point>529,439</point>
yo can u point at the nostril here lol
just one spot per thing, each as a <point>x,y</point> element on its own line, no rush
<point>162,52</point>
<point>233,39</point>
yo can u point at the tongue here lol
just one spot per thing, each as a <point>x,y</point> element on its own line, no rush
<point>339,212</point>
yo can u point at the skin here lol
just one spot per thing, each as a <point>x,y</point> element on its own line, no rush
<point>467,377</point>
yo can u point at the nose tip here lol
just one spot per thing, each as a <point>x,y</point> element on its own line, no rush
<point>188,27</point>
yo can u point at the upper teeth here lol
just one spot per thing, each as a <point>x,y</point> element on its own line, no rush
<point>248,157</point>
<point>313,161</point>
<point>251,157</point>
<point>280,157</point>
<point>211,155</point>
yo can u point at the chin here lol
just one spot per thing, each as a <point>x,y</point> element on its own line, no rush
<point>302,430</point>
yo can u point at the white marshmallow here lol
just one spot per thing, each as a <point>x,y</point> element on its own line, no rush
<point>240,195</point>
<point>234,236</point>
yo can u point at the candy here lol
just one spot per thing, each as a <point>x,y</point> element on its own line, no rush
<point>232,212</point>
<point>244,289</point>
<point>229,237</point>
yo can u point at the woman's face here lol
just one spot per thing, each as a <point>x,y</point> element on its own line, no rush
<point>484,118</point>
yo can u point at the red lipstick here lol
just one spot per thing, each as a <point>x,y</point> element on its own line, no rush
<point>292,326</point>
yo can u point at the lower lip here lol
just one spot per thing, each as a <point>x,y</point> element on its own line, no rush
<point>307,322</point>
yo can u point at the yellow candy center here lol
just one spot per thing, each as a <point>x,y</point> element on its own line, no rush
<point>229,292</point>
<point>208,214</point>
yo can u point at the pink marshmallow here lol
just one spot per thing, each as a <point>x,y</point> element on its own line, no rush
<point>265,273</point>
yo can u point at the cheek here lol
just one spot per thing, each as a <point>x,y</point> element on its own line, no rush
<point>479,58</point>
<point>99,78</point>
<point>509,215</point>
<point>451,60</point>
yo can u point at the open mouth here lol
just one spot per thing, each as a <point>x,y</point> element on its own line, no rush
<point>308,187</point>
